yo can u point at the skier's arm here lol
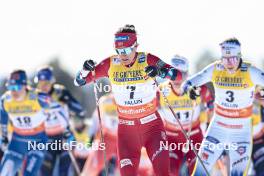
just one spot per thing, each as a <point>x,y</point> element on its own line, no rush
<point>257,76</point>
<point>208,99</point>
<point>164,70</point>
<point>73,105</point>
<point>3,121</point>
<point>101,70</point>
<point>44,100</point>
<point>199,79</point>
<point>259,96</point>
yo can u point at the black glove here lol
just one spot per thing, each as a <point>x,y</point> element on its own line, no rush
<point>1,154</point>
<point>151,71</point>
<point>89,65</point>
<point>194,93</point>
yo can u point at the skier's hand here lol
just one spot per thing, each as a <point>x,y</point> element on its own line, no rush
<point>163,72</point>
<point>4,143</point>
<point>79,79</point>
<point>68,136</point>
<point>151,71</point>
<point>194,93</point>
<point>261,93</point>
<point>185,87</point>
<point>89,65</point>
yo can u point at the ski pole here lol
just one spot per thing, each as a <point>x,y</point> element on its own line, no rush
<point>74,162</point>
<point>185,150</point>
<point>100,119</point>
<point>181,127</point>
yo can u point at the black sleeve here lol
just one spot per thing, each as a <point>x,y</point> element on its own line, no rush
<point>74,106</point>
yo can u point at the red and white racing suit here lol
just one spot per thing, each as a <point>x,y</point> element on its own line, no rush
<point>188,112</point>
<point>231,126</point>
<point>139,122</point>
<point>95,162</point>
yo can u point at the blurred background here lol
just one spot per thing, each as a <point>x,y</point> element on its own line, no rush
<point>64,33</point>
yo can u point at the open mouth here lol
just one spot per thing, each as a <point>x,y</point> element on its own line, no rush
<point>125,59</point>
<point>230,66</point>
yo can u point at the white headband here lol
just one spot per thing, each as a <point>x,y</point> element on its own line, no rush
<point>230,50</point>
<point>180,63</point>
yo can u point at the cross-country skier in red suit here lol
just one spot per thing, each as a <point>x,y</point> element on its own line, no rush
<point>134,91</point>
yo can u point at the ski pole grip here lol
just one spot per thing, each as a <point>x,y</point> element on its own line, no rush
<point>84,73</point>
